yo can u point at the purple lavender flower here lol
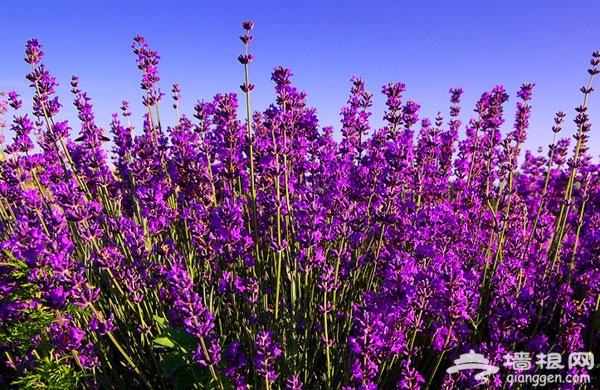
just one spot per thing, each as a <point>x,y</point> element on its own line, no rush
<point>411,379</point>
<point>267,353</point>
<point>293,383</point>
<point>237,365</point>
<point>374,261</point>
<point>189,311</point>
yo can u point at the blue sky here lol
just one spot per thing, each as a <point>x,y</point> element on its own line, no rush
<point>428,45</point>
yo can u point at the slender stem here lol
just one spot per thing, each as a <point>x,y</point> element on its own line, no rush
<point>577,233</point>
<point>124,353</point>
<point>543,199</point>
<point>250,144</point>
<point>326,329</point>
<point>565,208</point>
<point>211,367</point>
<point>441,357</point>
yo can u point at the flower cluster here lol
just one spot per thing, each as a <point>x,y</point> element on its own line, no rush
<point>264,252</point>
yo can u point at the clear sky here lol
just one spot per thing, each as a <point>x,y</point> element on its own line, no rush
<point>428,45</point>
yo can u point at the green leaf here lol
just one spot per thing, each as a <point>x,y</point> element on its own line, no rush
<point>171,362</point>
<point>176,338</point>
<point>161,342</point>
<point>161,321</point>
<point>185,377</point>
<point>198,375</point>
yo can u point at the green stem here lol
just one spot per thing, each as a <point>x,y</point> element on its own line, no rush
<point>441,357</point>
<point>327,352</point>
<point>125,354</point>
<point>566,207</point>
<point>544,192</point>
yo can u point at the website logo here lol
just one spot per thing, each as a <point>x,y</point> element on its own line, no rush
<point>474,361</point>
<point>526,368</point>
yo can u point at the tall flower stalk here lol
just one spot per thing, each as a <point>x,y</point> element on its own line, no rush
<point>221,254</point>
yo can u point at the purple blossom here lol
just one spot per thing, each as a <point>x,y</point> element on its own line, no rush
<point>267,353</point>
<point>261,252</point>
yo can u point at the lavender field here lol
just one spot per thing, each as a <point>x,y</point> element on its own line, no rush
<point>260,251</point>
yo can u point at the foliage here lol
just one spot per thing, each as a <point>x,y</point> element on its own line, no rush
<point>221,254</point>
